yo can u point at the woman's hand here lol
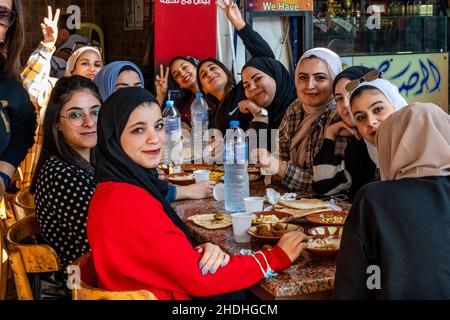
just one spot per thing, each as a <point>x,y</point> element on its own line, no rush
<point>293,243</point>
<point>197,191</point>
<point>213,258</point>
<point>247,106</point>
<point>340,129</point>
<point>233,14</point>
<point>161,174</point>
<point>50,27</point>
<point>161,84</point>
<point>270,165</point>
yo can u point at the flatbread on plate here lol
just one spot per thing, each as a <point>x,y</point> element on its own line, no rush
<point>208,221</point>
<point>305,204</point>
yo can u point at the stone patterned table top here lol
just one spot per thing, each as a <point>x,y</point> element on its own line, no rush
<point>309,274</point>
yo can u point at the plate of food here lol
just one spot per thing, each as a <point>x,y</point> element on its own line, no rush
<point>326,231</point>
<point>251,168</point>
<point>264,217</point>
<point>329,218</point>
<point>271,232</point>
<point>216,176</point>
<point>324,246</point>
<point>182,178</point>
<point>198,166</point>
<point>211,221</point>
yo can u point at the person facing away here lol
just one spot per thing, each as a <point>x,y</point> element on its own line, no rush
<point>138,241</point>
<point>395,239</point>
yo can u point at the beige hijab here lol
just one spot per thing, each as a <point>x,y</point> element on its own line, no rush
<point>414,142</point>
<point>72,61</point>
<point>299,143</point>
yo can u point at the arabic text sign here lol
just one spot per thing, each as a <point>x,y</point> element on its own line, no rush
<point>419,77</point>
<point>184,28</point>
<point>279,5</point>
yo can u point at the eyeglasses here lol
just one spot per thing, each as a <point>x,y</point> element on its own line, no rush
<point>77,118</point>
<point>7,16</point>
<point>369,76</point>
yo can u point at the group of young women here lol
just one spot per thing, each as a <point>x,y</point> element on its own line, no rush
<point>97,188</point>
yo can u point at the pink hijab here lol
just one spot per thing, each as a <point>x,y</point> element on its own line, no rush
<point>414,142</point>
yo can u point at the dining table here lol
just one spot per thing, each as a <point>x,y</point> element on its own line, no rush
<point>310,277</point>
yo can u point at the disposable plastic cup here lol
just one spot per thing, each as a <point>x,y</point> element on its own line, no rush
<point>219,192</point>
<point>254,204</point>
<point>241,221</point>
<point>201,175</point>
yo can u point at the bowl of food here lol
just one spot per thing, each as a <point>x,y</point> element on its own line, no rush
<point>270,233</point>
<point>323,246</point>
<point>329,218</point>
<point>182,178</point>
<point>326,231</point>
<point>264,217</point>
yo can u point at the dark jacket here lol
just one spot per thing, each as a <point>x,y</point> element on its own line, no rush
<point>402,227</point>
<point>18,122</point>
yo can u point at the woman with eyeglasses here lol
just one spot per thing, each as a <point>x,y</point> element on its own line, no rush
<point>397,232</point>
<point>343,174</point>
<point>86,62</point>
<point>17,116</point>
<point>303,127</point>
<point>63,183</point>
<point>373,100</point>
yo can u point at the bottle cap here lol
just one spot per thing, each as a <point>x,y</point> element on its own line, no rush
<point>169,103</point>
<point>199,94</point>
<point>234,123</point>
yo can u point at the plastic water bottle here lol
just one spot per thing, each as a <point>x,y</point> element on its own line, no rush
<point>236,174</point>
<point>173,151</point>
<point>199,123</point>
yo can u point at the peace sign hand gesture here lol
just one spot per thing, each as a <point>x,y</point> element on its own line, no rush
<point>161,84</point>
<point>233,14</point>
<point>50,27</point>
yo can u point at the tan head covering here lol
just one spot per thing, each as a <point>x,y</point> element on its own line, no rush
<point>414,142</point>
<point>72,61</point>
<point>299,142</point>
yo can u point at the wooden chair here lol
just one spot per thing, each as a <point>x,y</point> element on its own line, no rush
<point>23,204</point>
<point>28,258</point>
<point>3,262</point>
<point>86,289</point>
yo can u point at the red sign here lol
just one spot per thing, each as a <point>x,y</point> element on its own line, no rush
<point>279,5</point>
<point>184,28</point>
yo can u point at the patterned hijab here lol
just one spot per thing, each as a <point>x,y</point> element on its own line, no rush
<point>415,142</point>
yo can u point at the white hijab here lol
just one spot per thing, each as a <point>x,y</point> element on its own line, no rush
<point>395,98</point>
<point>72,61</point>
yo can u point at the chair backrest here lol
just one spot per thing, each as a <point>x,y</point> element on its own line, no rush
<point>28,258</point>
<point>95,36</point>
<point>23,204</point>
<point>85,288</point>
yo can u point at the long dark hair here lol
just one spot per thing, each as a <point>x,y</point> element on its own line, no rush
<point>222,106</point>
<point>12,47</point>
<point>54,144</point>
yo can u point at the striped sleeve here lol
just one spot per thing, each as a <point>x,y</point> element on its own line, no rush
<point>330,175</point>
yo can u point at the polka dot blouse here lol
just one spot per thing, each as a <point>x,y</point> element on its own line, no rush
<point>63,193</point>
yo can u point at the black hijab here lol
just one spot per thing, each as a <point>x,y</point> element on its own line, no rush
<point>113,163</point>
<point>285,93</point>
<point>351,73</point>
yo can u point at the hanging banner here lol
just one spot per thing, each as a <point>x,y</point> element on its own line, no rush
<point>279,5</point>
<point>419,77</point>
<point>184,28</point>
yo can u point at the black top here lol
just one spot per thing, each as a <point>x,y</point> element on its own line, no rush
<point>357,164</point>
<point>258,47</point>
<point>17,123</point>
<point>63,193</point>
<point>402,226</point>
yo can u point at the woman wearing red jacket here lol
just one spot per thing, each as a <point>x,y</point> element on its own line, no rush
<point>138,241</point>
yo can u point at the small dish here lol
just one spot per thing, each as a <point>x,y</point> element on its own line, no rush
<point>263,217</point>
<point>182,178</point>
<point>270,233</point>
<point>324,246</point>
<point>328,218</point>
<point>326,231</point>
